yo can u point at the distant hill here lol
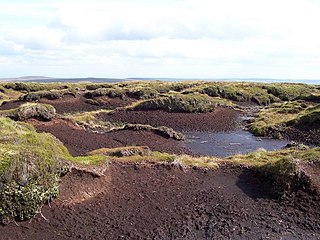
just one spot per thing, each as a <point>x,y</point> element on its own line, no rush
<point>113,80</point>
<point>50,79</point>
<point>24,78</point>
<point>263,80</point>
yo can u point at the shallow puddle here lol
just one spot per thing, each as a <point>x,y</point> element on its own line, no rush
<point>222,144</point>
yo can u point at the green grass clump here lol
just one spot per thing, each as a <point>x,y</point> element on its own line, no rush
<point>281,115</point>
<point>123,151</point>
<point>239,92</point>
<point>165,87</point>
<point>30,166</point>
<point>260,93</point>
<point>180,103</point>
<point>90,160</point>
<point>142,93</point>
<point>98,85</point>
<point>109,92</point>
<point>279,164</point>
<point>8,95</point>
<point>201,162</point>
<point>246,92</point>
<point>288,92</point>
<point>136,92</point>
<point>275,116</point>
<point>140,154</point>
<point>2,89</point>
<point>25,87</point>
<point>309,118</point>
<point>51,95</point>
<point>34,87</point>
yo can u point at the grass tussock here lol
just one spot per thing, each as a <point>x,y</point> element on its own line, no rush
<point>27,87</point>
<point>50,95</point>
<point>309,118</point>
<point>280,165</point>
<point>289,92</point>
<point>180,103</point>
<point>30,166</point>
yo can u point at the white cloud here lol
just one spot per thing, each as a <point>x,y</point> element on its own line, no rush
<point>204,38</point>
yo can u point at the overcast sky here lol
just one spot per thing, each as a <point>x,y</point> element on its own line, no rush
<point>146,38</point>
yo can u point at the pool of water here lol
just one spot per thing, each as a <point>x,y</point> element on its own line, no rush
<point>224,144</point>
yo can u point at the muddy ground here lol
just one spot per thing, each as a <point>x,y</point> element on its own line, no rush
<point>221,119</point>
<point>309,137</point>
<point>79,141</point>
<point>10,105</point>
<point>164,202</point>
<point>161,201</point>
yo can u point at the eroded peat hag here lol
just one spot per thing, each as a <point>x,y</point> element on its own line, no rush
<point>165,202</point>
<point>74,104</point>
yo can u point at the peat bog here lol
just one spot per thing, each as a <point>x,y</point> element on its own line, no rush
<point>159,160</point>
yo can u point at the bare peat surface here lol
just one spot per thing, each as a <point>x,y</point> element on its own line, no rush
<point>304,135</point>
<point>79,141</point>
<point>70,104</point>
<point>166,202</point>
<point>222,119</point>
<point>10,105</point>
